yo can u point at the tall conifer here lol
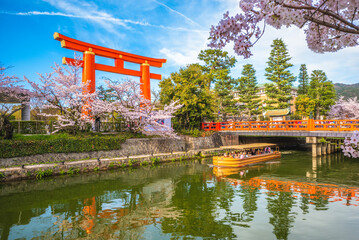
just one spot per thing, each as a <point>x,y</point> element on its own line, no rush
<point>303,79</point>
<point>247,90</point>
<point>279,90</point>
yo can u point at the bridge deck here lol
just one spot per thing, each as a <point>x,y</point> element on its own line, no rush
<point>307,128</point>
<point>330,134</point>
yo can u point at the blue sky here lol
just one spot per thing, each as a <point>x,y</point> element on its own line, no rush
<point>175,30</point>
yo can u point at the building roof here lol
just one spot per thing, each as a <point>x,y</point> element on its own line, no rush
<point>277,112</point>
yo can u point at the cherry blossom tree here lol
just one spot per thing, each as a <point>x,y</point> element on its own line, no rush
<point>62,92</point>
<point>11,91</point>
<point>139,113</point>
<point>329,25</point>
<point>350,146</point>
<point>345,109</point>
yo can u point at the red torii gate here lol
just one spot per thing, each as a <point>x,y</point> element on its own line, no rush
<point>90,66</point>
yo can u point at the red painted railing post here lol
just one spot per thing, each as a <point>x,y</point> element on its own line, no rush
<point>310,125</point>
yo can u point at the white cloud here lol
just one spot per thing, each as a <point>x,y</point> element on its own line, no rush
<point>179,59</point>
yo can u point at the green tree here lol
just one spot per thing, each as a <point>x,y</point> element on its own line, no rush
<point>106,94</point>
<point>279,90</point>
<point>217,64</point>
<point>249,101</point>
<point>322,92</point>
<point>223,90</point>
<point>304,105</point>
<point>189,87</point>
<point>303,79</point>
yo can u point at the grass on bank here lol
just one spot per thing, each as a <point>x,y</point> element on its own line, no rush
<point>26,145</point>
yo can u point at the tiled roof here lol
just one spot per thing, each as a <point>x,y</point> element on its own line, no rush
<point>277,112</point>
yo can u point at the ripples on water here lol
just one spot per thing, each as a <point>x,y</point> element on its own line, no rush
<point>295,198</point>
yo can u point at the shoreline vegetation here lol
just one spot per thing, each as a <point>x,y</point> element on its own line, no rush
<point>37,144</point>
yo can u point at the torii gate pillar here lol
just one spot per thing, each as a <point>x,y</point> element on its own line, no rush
<point>89,72</point>
<point>145,81</point>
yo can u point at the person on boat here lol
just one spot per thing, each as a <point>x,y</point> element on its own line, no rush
<point>253,152</point>
<point>242,156</point>
<point>269,150</point>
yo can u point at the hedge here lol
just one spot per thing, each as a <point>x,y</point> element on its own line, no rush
<point>43,127</point>
<point>62,144</point>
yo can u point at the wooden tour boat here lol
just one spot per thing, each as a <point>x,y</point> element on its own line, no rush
<point>231,162</point>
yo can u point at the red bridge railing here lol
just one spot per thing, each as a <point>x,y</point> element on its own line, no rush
<point>291,125</point>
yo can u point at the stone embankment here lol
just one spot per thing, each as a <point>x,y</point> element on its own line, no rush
<point>133,152</point>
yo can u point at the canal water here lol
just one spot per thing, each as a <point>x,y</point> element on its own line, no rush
<point>297,197</point>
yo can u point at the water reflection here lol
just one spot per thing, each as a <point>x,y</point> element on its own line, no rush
<point>276,200</point>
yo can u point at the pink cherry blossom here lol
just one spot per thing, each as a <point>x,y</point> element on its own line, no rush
<point>62,91</point>
<point>329,25</point>
<point>11,91</point>
<point>345,109</point>
<point>350,145</point>
<point>140,113</point>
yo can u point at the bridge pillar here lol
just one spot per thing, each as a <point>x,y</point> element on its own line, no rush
<point>324,148</point>
<point>316,147</point>
<point>319,149</point>
<point>330,147</point>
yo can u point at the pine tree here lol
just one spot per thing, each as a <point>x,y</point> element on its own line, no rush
<point>249,102</point>
<point>216,64</point>
<point>224,98</point>
<point>322,92</point>
<point>279,90</point>
<point>217,69</point>
<point>303,79</point>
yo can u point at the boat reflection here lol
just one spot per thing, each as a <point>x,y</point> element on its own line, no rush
<point>312,190</point>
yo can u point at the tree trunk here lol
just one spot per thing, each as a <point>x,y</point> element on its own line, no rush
<point>9,129</point>
<point>2,125</point>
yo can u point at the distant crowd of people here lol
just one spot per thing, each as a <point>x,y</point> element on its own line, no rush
<point>248,153</point>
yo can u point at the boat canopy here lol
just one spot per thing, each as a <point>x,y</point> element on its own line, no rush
<point>249,146</point>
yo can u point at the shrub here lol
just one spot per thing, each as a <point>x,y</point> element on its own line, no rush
<point>111,165</point>
<point>131,162</point>
<point>60,143</point>
<point>144,163</point>
<point>43,173</point>
<point>155,160</point>
<point>70,171</point>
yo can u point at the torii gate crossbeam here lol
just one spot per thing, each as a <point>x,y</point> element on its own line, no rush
<point>90,66</point>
